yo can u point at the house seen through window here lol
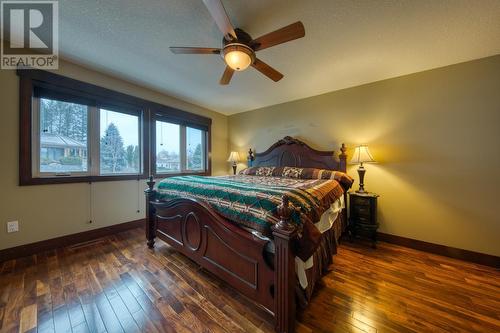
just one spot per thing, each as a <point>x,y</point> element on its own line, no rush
<point>73,137</point>
<point>179,148</point>
<point>168,158</point>
<point>63,137</point>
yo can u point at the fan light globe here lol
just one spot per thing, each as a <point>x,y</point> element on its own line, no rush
<point>237,60</point>
<point>238,56</point>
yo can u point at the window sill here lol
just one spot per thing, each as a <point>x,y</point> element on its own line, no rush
<point>190,173</point>
<point>107,178</point>
<point>78,179</point>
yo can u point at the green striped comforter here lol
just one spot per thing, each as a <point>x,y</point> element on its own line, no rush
<point>251,201</point>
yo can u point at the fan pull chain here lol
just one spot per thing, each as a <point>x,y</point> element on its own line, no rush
<point>138,195</point>
<point>106,142</point>
<point>161,134</point>
<point>91,203</point>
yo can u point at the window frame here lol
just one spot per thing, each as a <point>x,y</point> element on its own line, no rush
<point>33,79</point>
<point>164,116</point>
<point>204,151</point>
<point>97,137</point>
<point>36,141</point>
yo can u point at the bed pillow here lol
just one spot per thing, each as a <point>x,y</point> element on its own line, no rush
<point>301,173</point>
<point>313,173</point>
<point>344,179</point>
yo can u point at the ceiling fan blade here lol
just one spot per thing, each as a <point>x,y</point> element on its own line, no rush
<point>226,76</point>
<point>267,70</point>
<point>283,35</point>
<point>194,50</point>
<point>220,17</point>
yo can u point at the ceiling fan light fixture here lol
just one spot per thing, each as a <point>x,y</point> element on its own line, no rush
<point>238,47</point>
<point>238,56</point>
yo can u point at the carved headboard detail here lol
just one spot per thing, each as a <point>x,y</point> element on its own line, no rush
<point>293,152</point>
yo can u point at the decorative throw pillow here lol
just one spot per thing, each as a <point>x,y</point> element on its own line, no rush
<point>258,171</point>
<point>292,172</point>
<point>264,171</point>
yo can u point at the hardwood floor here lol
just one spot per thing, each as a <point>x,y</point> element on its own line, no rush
<point>115,284</point>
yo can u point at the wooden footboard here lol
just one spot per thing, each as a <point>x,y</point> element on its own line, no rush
<point>234,255</point>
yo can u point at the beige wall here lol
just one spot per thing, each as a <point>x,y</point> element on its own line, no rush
<point>49,211</point>
<point>436,135</point>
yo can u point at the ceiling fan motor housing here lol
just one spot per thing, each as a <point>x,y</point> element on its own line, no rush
<point>241,37</point>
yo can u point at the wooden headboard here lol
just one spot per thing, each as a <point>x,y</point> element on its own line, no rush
<point>293,152</point>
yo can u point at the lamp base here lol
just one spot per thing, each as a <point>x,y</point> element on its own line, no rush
<point>361,173</point>
<point>234,169</point>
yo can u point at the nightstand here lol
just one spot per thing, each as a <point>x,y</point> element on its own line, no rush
<point>363,215</point>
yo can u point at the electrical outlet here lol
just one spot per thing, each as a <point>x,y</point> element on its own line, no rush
<point>12,226</point>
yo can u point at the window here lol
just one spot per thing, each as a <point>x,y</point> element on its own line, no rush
<point>72,131</point>
<point>119,143</point>
<point>179,149</point>
<point>195,159</point>
<point>62,138</point>
<point>168,155</point>
<point>64,134</point>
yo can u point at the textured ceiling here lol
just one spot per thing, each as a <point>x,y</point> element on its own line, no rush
<point>347,43</point>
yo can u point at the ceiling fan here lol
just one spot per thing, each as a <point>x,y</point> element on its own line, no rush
<point>238,47</point>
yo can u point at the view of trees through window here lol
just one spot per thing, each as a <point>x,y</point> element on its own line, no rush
<point>194,151</point>
<point>119,143</point>
<point>64,141</point>
<point>76,132</point>
<point>63,136</point>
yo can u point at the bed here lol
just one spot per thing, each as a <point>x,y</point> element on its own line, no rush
<point>262,261</point>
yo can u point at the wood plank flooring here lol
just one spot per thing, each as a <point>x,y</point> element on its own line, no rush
<point>115,284</point>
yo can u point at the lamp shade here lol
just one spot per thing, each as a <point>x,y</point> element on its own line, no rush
<point>362,155</point>
<point>234,157</point>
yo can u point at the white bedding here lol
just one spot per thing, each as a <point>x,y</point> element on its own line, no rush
<point>324,224</point>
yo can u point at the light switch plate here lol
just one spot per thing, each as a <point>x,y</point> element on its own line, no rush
<point>12,226</point>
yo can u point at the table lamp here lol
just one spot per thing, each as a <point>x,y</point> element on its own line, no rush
<point>362,155</point>
<point>234,158</point>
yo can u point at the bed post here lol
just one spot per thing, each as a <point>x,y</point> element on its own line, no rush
<point>284,269</point>
<point>150,213</point>
<point>343,168</point>
<point>343,158</point>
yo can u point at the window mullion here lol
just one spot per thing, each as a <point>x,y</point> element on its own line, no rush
<point>182,152</point>
<point>204,160</point>
<point>140,125</point>
<point>93,139</point>
<point>35,144</point>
